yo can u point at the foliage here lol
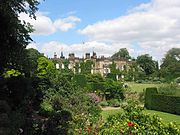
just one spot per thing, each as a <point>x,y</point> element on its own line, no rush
<point>80,80</point>
<point>149,97</point>
<point>166,103</point>
<point>95,82</point>
<point>168,89</point>
<point>163,101</point>
<point>94,97</point>
<point>12,73</point>
<point>45,68</point>
<point>148,65</point>
<point>31,63</point>
<point>114,88</point>
<point>134,121</point>
<point>86,66</point>
<point>114,102</point>
<point>66,106</point>
<point>122,53</point>
<point>111,76</point>
<point>103,103</point>
<point>14,34</point>
<point>170,67</point>
<point>114,70</point>
<point>166,117</point>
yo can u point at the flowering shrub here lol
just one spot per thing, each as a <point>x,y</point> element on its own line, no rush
<point>133,121</point>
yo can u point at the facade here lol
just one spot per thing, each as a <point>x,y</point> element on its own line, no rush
<point>100,65</point>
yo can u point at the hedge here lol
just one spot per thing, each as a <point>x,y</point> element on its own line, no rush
<point>160,102</point>
<point>166,103</point>
<point>148,96</point>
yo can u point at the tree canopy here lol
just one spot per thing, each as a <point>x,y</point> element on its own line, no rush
<point>147,64</point>
<point>170,67</point>
<point>122,53</point>
<point>14,35</point>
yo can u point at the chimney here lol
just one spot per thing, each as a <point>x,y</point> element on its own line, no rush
<point>55,55</point>
<point>87,55</point>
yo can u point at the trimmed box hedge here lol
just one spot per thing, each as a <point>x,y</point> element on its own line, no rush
<point>149,95</point>
<point>160,102</point>
<point>166,103</point>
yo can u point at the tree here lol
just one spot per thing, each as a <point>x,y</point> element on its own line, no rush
<point>14,35</point>
<point>31,61</point>
<point>146,62</point>
<point>170,67</point>
<point>122,53</point>
<point>45,68</point>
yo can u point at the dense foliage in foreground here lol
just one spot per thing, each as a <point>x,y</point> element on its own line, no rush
<point>133,121</point>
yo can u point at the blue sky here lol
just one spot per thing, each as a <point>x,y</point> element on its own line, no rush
<point>105,26</point>
<point>90,11</point>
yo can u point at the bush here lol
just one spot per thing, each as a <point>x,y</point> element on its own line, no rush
<point>166,103</point>
<point>148,96</point>
<point>161,102</point>
<point>111,76</point>
<point>133,121</point>
<point>103,103</point>
<point>167,89</point>
<point>80,80</point>
<point>114,103</point>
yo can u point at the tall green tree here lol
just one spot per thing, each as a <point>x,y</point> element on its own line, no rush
<point>14,35</point>
<point>146,62</point>
<point>31,61</point>
<point>170,67</point>
<point>122,53</point>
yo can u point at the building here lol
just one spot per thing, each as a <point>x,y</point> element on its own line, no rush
<point>100,65</point>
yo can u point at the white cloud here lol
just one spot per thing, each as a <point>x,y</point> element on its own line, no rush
<point>80,49</point>
<point>66,23</point>
<point>44,25</point>
<point>154,26</point>
<point>32,45</point>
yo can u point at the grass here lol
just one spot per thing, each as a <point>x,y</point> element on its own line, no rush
<point>166,117</point>
<point>139,87</point>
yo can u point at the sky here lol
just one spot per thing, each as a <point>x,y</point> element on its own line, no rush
<point>104,26</point>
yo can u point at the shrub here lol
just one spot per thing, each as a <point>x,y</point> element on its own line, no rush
<point>114,103</point>
<point>135,122</point>
<point>167,89</point>
<point>148,96</point>
<point>103,103</point>
<point>166,103</point>
<point>80,80</point>
<point>111,76</point>
<point>161,102</point>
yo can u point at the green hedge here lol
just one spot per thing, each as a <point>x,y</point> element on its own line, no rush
<point>159,102</point>
<point>148,96</point>
<point>166,103</point>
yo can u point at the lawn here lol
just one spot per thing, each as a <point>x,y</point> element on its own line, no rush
<point>139,87</point>
<point>166,117</point>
